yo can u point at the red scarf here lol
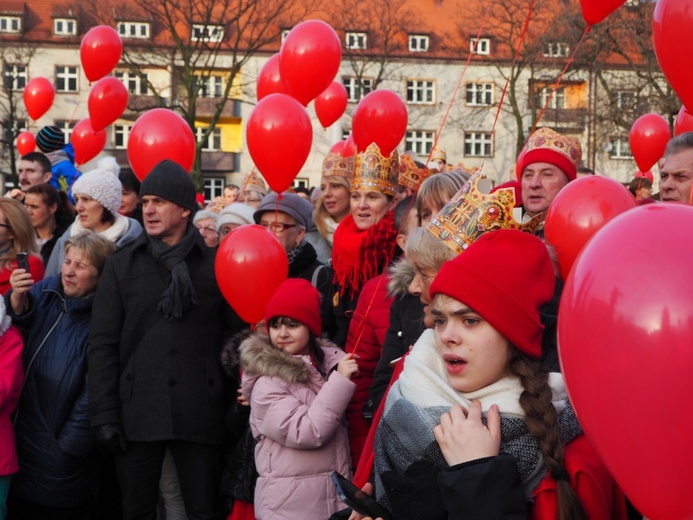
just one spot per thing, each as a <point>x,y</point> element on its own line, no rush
<point>358,256</point>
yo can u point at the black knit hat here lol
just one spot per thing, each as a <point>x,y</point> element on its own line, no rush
<point>171,182</point>
<point>50,138</point>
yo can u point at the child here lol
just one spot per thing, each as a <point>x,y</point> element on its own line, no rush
<point>481,358</point>
<point>297,407</point>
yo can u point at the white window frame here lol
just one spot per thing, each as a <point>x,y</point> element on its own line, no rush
<point>478,144</point>
<point>285,33</point>
<point>419,141</point>
<point>134,83</point>
<point>10,24</point>
<point>211,33</point>
<point>67,127</point>
<point>124,132</point>
<point>67,74</point>
<point>355,92</point>
<point>626,99</point>
<point>558,100</point>
<point>135,30</point>
<point>483,47</point>
<point>17,73</point>
<point>620,149</point>
<point>556,50</point>
<point>212,86</point>
<point>421,92</point>
<point>64,26</point>
<point>479,94</point>
<point>213,139</point>
<point>355,40</point>
<point>213,187</point>
<point>419,42</point>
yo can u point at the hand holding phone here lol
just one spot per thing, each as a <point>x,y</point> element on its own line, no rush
<point>23,261</point>
<point>357,499</point>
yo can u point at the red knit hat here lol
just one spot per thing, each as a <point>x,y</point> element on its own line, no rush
<point>548,146</point>
<point>505,276</point>
<point>297,299</point>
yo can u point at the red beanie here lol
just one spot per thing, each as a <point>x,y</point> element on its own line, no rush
<point>505,276</point>
<point>297,299</point>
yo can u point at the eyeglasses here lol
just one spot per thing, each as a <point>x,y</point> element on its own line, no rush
<point>208,229</point>
<point>276,227</point>
<point>246,200</point>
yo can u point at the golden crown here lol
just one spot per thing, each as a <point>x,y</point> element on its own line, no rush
<point>375,172</point>
<point>473,211</point>
<point>335,164</point>
<point>410,175</point>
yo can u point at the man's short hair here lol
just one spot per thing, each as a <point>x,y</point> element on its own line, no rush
<point>679,143</point>
<point>232,187</point>
<point>39,158</point>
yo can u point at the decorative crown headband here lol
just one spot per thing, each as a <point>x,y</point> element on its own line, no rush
<point>375,172</point>
<point>335,164</point>
<point>410,175</point>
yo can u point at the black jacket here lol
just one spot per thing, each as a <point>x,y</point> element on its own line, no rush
<point>161,379</point>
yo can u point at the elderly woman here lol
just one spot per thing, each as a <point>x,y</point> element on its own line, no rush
<point>16,235</point>
<point>206,223</point>
<point>98,196</point>
<point>335,186</point>
<point>54,438</point>
<point>234,216</point>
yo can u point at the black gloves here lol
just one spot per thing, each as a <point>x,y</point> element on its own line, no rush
<point>111,438</point>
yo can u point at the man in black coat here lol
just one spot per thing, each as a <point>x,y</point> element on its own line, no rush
<point>155,379</point>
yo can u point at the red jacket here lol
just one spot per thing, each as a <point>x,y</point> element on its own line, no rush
<point>35,266</point>
<point>11,376</point>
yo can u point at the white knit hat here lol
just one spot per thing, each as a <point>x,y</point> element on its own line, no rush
<point>235,213</point>
<point>102,185</point>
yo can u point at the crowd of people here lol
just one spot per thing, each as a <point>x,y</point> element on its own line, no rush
<point>412,347</point>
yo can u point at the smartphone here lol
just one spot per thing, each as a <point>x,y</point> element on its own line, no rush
<point>23,261</point>
<point>357,499</point>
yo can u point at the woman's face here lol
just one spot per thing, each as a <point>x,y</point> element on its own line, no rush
<point>39,212</point>
<point>129,202</point>
<point>79,275</point>
<point>90,213</point>
<point>368,208</point>
<point>291,337</point>
<point>421,283</point>
<point>284,227</point>
<point>428,210</point>
<point>251,198</point>
<point>335,197</point>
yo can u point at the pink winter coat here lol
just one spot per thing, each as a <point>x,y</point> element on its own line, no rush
<point>298,419</point>
<point>11,376</point>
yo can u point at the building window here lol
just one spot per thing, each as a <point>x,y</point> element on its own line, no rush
<point>478,144</point>
<point>66,79</point>
<point>14,77</point>
<point>213,142</point>
<point>285,33</point>
<point>421,92</point>
<point>620,148</point>
<point>479,94</point>
<point>120,136</point>
<point>64,27</point>
<point>133,29</point>
<point>418,43</point>
<point>356,40</point>
<point>357,89</point>
<point>557,100</point>
<point>483,46</point>
<point>625,99</point>
<point>207,33</point>
<point>18,125</point>
<point>67,127</point>
<point>10,24</point>
<point>135,83</point>
<point>213,187</point>
<point>210,86</point>
<point>419,141</point>
<point>556,50</point>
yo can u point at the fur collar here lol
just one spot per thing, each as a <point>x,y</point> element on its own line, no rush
<point>401,275</point>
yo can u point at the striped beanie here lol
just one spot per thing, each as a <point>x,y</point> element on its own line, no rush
<point>50,138</point>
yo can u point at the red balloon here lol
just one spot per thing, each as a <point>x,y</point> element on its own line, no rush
<point>26,143</point>
<point>160,134</point>
<point>100,51</point>
<point>649,136</point>
<point>279,136</point>
<point>309,59</point>
<point>86,141</point>
<point>345,148</point>
<point>673,44</point>
<point>624,342</point>
<point>684,122</point>
<point>269,81</point>
<point>380,118</point>
<point>647,175</point>
<point>108,99</point>
<point>38,97</point>
<point>579,211</point>
<point>331,104</point>
<point>594,11</point>
<point>250,265</point>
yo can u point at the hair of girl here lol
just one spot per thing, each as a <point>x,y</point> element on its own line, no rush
<point>313,344</point>
<point>541,420</point>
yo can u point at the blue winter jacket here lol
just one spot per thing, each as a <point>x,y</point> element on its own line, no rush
<point>54,438</point>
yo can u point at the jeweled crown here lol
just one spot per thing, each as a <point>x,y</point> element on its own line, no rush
<point>410,175</point>
<point>375,172</point>
<point>335,164</point>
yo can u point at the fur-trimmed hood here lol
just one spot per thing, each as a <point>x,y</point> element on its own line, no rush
<point>401,275</point>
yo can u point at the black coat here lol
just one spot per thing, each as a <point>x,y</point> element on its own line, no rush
<point>161,379</point>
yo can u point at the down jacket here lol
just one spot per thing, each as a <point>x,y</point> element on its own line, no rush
<point>297,417</point>
<point>54,439</point>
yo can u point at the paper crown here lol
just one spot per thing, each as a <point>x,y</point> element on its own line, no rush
<point>546,145</point>
<point>410,175</point>
<point>335,164</point>
<point>439,154</point>
<point>473,211</point>
<point>375,172</point>
<point>254,182</point>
